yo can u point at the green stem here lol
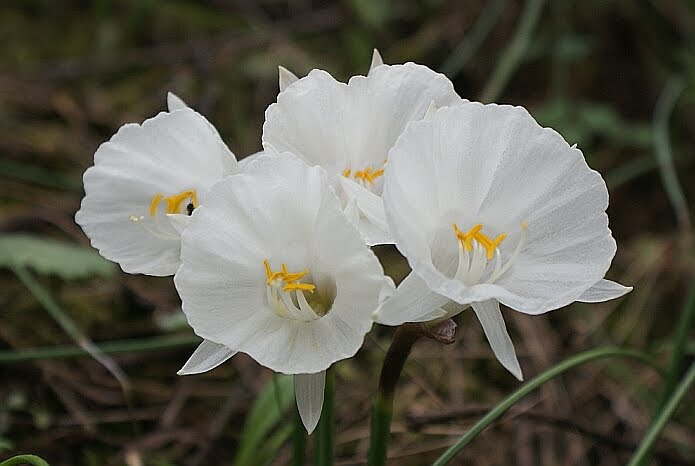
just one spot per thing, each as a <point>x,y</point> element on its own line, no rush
<point>325,442</point>
<point>403,340</point>
<point>298,440</point>
<point>24,459</point>
<point>111,347</point>
<point>532,385</point>
<point>512,55</point>
<point>643,451</point>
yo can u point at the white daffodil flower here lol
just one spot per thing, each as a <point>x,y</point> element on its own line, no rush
<point>145,182</point>
<point>489,207</point>
<point>348,129</point>
<point>271,267</point>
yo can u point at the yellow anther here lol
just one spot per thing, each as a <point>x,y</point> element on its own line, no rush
<point>293,277</point>
<point>289,278</point>
<point>368,175</point>
<point>174,203</point>
<point>299,287</point>
<point>155,203</point>
<point>494,244</point>
<point>268,271</point>
<point>475,234</point>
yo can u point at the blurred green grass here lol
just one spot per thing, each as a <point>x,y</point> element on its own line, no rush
<point>72,72</point>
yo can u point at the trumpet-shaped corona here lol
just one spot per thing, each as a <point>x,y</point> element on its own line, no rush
<point>145,183</point>
<point>489,169</point>
<point>348,129</point>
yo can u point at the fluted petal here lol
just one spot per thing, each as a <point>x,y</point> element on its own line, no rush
<point>308,391</point>
<point>206,357</point>
<point>490,317</point>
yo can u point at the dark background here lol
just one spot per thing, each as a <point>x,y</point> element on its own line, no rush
<point>616,77</point>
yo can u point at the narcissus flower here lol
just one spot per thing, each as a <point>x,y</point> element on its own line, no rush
<point>348,129</point>
<point>145,183</point>
<point>489,207</point>
<point>271,267</point>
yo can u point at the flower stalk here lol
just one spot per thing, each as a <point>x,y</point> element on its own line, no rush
<point>298,440</point>
<point>325,440</point>
<point>404,338</point>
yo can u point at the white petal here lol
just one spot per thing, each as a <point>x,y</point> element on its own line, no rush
<point>430,111</point>
<point>178,221</point>
<point>175,102</point>
<point>494,165</point>
<point>372,223</point>
<point>248,159</point>
<point>376,60</point>
<point>490,318</point>
<point>413,301</point>
<point>283,211</point>
<point>604,290</point>
<point>286,77</point>
<point>308,391</point>
<point>167,154</point>
<point>342,126</point>
<point>206,357</point>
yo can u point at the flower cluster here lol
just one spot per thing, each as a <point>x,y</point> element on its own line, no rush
<point>271,255</point>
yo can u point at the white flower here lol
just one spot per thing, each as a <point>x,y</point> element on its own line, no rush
<point>489,207</point>
<point>348,129</point>
<point>144,184</point>
<point>271,267</point>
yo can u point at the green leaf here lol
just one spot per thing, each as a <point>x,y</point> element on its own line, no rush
<point>49,256</point>
<point>265,415</point>
<point>532,385</point>
<point>24,459</point>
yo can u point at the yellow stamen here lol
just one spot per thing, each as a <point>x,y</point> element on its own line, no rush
<point>474,233</point>
<point>155,203</point>
<point>368,175</point>
<point>293,277</point>
<point>289,278</point>
<point>268,270</point>
<point>299,287</point>
<point>173,203</point>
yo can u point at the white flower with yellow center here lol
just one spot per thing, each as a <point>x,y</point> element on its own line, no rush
<point>145,182</point>
<point>489,207</point>
<point>271,267</point>
<point>348,129</point>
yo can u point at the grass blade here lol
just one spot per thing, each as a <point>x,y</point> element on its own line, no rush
<point>662,146</point>
<point>685,323</point>
<point>642,454</point>
<point>532,385</point>
<point>265,414</point>
<point>472,41</point>
<point>66,323</point>
<point>110,347</point>
<point>512,55</point>
<point>24,459</point>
